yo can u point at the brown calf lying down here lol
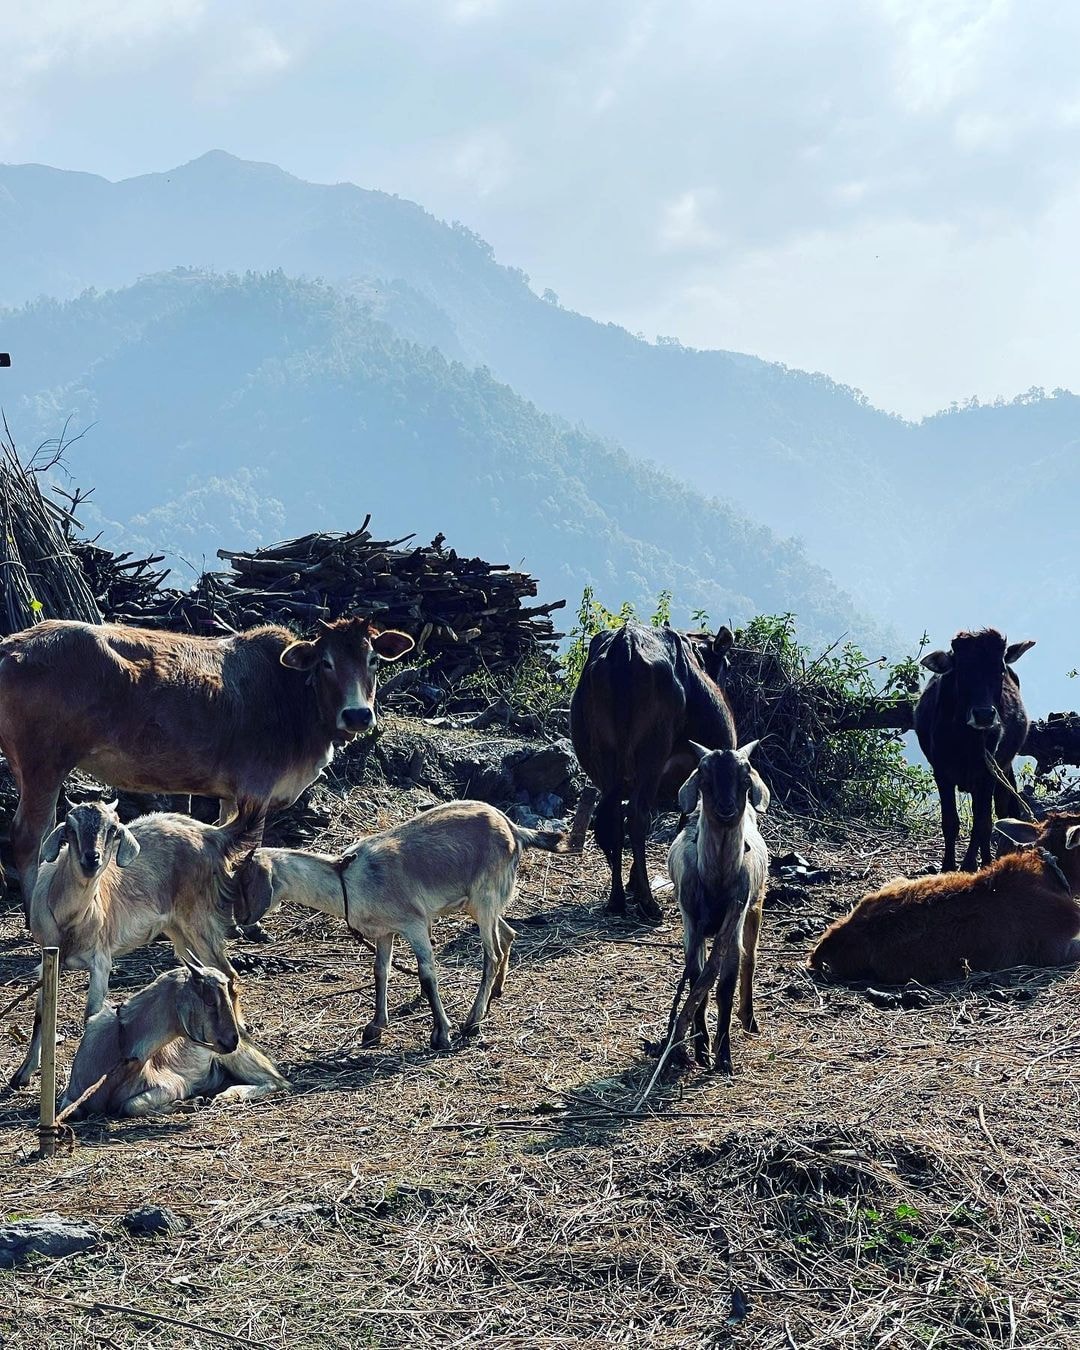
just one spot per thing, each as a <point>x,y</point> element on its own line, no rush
<point>178,1038</point>
<point>458,858</point>
<point>1019,911</point>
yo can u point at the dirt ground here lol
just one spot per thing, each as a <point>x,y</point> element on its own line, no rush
<point>873,1175</point>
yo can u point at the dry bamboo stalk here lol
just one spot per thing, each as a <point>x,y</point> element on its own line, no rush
<point>50,986</point>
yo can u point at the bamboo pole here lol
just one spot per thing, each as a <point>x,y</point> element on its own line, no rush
<point>50,984</point>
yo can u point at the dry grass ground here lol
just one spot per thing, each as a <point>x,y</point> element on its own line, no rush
<point>871,1176</point>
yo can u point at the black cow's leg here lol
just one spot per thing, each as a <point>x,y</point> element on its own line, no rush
<point>950,822</point>
<point>609,836</point>
<point>640,817</point>
<point>981,816</point>
<point>1005,804</point>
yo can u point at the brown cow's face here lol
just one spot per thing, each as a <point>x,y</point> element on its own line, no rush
<point>342,664</point>
<point>979,662</point>
<point>207,1014</point>
<point>94,836</point>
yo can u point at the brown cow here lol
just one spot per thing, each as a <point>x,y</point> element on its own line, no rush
<point>1021,910</point>
<point>251,718</point>
<point>642,697</point>
<point>970,716</point>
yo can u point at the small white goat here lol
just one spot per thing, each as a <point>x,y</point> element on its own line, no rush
<point>104,889</point>
<point>459,857</point>
<point>720,867</point>
<point>178,1038</point>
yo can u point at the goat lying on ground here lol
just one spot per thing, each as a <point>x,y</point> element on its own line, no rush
<point>1018,911</point>
<point>460,857</point>
<point>104,889</point>
<point>720,866</point>
<point>178,1038</point>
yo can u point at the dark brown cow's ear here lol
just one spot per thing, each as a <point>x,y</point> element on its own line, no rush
<point>300,655</point>
<point>939,662</point>
<point>392,644</point>
<point>724,639</point>
<point>1019,832</point>
<point>1015,650</point>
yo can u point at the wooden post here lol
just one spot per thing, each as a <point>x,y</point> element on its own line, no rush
<point>580,827</point>
<point>50,985</point>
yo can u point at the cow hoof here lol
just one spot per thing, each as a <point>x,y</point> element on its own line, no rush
<point>255,932</point>
<point>752,1027</point>
<point>723,1067</point>
<point>440,1039</point>
<point>616,907</point>
<point>372,1035</point>
<point>651,913</point>
<point>470,1029</point>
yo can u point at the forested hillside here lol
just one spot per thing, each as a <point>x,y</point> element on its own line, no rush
<point>236,410</point>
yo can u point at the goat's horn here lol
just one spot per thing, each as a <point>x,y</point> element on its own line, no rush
<point>111,806</point>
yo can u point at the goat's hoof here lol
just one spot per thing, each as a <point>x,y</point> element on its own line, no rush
<point>235,932</point>
<point>18,1080</point>
<point>372,1035</point>
<point>440,1039</point>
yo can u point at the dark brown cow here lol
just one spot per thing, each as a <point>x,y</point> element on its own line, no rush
<point>642,698</point>
<point>1021,910</point>
<point>251,719</point>
<point>971,714</point>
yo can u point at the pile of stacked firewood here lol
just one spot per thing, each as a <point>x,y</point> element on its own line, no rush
<point>465,614</point>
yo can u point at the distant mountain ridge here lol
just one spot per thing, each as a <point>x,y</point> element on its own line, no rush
<point>232,411</point>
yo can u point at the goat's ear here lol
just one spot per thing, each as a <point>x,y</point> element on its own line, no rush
<point>256,885</point>
<point>300,656</point>
<point>699,751</point>
<point>760,797</point>
<point>51,845</point>
<point>391,645</point>
<point>1017,832</point>
<point>939,662</point>
<point>1015,650</point>
<point>1072,837</point>
<point>724,639</point>
<point>688,794</point>
<point>128,850</point>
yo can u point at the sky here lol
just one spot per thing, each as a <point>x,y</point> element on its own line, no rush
<point>884,190</point>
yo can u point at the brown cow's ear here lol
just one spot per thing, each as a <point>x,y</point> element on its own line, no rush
<point>1015,650</point>
<point>1019,832</point>
<point>939,662</point>
<point>300,655</point>
<point>688,794</point>
<point>50,848</point>
<point>723,639</point>
<point>392,644</point>
<point>1072,837</point>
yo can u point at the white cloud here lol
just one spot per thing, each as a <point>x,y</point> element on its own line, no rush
<point>683,227</point>
<point>244,58</point>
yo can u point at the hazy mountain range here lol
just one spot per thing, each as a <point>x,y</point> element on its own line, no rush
<point>262,405</point>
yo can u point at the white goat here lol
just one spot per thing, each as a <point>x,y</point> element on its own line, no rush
<point>720,866</point>
<point>175,1039</point>
<point>104,889</point>
<point>459,857</point>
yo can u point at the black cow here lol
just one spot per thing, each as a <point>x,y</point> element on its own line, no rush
<point>969,717</point>
<point>642,698</point>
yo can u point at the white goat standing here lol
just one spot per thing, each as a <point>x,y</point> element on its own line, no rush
<point>720,867</point>
<point>175,1039</point>
<point>104,889</point>
<point>461,857</point>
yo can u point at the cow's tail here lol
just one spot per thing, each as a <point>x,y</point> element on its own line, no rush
<point>237,842</point>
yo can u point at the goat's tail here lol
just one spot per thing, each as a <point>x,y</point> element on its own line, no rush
<point>551,841</point>
<point>251,1067</point>
<point>237,842</point>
